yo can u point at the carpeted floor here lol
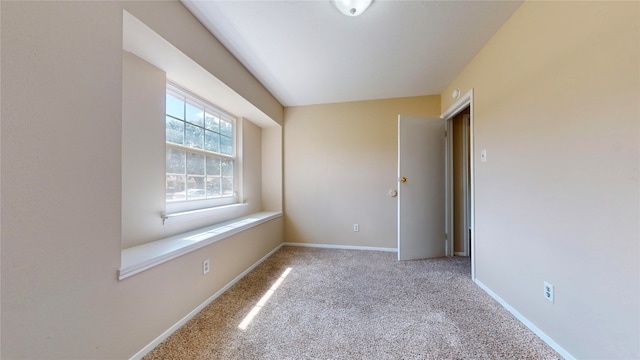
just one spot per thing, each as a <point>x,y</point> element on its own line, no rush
<point>351,304</point>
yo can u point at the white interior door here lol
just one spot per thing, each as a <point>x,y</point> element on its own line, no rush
<point>421,187</point>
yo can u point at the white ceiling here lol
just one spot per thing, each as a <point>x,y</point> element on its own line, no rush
<point>307,52</point>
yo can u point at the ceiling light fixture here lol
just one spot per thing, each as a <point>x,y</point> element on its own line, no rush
<point>352,7</point>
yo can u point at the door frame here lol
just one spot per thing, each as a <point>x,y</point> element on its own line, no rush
<point>452,111</point>
<point>466,215</point>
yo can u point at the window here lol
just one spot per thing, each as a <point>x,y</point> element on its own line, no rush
<point>200,153</point>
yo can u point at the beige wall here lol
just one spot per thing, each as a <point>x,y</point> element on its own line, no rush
<point>143,163</point>
<point>556,107</point>
<point>61,184</point>
<point>272,171</point>
<point>341,160</point>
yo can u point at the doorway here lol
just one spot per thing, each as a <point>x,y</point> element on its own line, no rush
<point>460,179</point>
<point>460,186</point>
<point>425,185</point>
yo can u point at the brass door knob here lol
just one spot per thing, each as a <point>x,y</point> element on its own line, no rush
<point>403,179</point>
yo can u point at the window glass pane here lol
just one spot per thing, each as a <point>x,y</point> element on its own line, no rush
<point>175,188</point>
<point>213,187</point>
<point>226,145</point>
<point>226,128</point>
<point>195,136</point>
<point>213,166</point>
<point>195,114</point>
<point>195,187</point>
<point>195,164</point>
<point>175,107</point>
<point>201,174</point>
<point>211,141</point>
<point>212,122</point>
<point>175,131</point>
<point>175,161</point>
<point>227,186</point>
<point>227,168</point>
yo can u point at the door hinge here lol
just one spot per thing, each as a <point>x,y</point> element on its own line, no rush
<point>445,133</point>
<point>446,236</point>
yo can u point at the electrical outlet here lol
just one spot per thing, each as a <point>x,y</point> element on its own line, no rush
<point>356,227</point>
<point>205,267</point>
<point>548,291</point>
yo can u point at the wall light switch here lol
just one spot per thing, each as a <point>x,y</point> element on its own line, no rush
<point>483,155</point>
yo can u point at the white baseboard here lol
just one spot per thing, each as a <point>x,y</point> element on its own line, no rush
<point>564,353</point>
<point>343,247</point>
<point>195,311</point>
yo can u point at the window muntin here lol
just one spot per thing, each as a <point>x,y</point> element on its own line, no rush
<point>200,152</point>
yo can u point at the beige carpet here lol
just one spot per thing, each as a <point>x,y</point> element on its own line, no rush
<point>350,304</point>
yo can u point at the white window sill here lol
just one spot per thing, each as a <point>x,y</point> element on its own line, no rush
<point>142,257</point>
<point>193,214</point>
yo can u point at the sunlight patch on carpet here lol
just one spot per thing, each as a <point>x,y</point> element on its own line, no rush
<point>247,320</point>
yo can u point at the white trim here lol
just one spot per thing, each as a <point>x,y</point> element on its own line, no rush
<point>342,247</point>
<point>185,148</point>
<point>458,106</point>
<point>463,102</point>
<point>142,257</point>
<point>238,171</point>
<point>465,174</point>
<point>541,334</point>
<point>448,188</point>
<point>399,197</point>
<point>145,350</point>
<point>472,187</point>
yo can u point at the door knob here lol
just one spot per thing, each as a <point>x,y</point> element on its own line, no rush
<point>403,179</point>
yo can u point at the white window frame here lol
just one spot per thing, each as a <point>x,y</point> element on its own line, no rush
<point>201,206</point>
